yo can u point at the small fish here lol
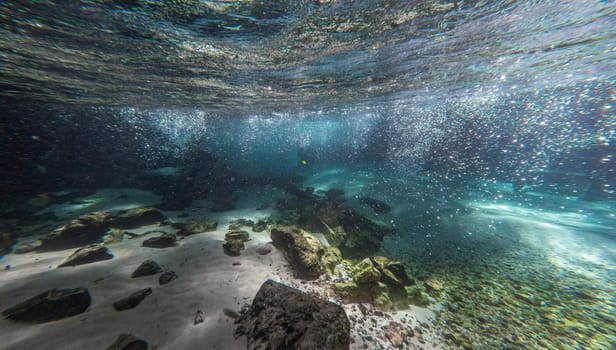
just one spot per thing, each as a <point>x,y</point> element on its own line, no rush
<point>303,162</point>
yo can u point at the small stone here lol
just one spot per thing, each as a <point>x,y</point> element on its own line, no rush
<point>147,268</point>
<point>198,318</point>
<point>163,241</point>
<point>128,342</point>
<point>88,254</point>
<point>167,277</point>
<point>132,300</point>
<point>264,249</point>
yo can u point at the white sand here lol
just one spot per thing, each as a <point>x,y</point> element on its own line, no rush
<point>207,281</point>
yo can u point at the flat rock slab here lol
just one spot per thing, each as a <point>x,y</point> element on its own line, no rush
<point>147,268</point>
<point>50,305</point>
<point>128,342</point>
<point>282,317</point>
<point>165,240</point>
<point>132,300</point>
<point>88,254</point>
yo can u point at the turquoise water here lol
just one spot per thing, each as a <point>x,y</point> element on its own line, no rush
<point>488,128</point>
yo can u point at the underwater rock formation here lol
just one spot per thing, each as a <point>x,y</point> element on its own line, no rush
<point>147,268</point>
<point>86,229</point>
<point>192,227</point>
<point>128,342</point>
<point>282,317</point>
<point>88,254</point>
<point>132,300</point>
<point>301,249</point>
<point>378,206</point>
<point>134,218</point>
<point>165,240</point>
<point>378,280</point>
<point>50,305</point>
<point>259,226</point>
<point>234,241</point>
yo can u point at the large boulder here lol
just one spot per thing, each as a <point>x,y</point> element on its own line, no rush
<point>86,229</point>
<point>134,218</point>
<point>50,305</point>
<point>88,254</point>
<point>302,250</point>
<point>282,317</point>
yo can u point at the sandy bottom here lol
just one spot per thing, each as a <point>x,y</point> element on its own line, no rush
<point>209,281</point>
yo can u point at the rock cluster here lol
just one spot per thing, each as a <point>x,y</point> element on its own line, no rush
<point>234,240</point>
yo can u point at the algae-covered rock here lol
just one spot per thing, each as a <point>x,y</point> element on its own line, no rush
<point>392,272</point>
<point>134,218</point>
<point>259,226</point>
<point>86,229</point>
<point>192,227</point>
<point>233,247</point>
<point>433,286</point>
<point>375,292</point>
<point>237,235</point>
<point>114,235</point>
<point>365,272</point>
<point>301,249</point>
<point>88,254</point>
<point>417,296</point>
<point>330,259</point>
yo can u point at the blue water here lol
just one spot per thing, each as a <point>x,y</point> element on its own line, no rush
<point>488,127</point>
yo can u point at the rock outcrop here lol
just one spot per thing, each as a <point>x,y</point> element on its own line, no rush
<point>302,250</point>
<point>88,254</point>
<point>51,305</point>
<point>86,229</point>
<point>282,317</point>
<point>165,240</point>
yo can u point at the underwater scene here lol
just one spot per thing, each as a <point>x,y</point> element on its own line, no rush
<point>308,174</point>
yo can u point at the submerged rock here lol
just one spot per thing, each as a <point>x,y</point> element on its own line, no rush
<point>88,254</point>
<point>167,277</point>
<point>86,229</point>
<point>259,226</point>
<point>282,317</point>
<point>233,247</point>
<point>301,249</point>
<point>128,342</point>
<point>192,227</point>
<point>376,205</point>
<point>51,305</point>
<point>147,268</point>
<point>165,240</point>
<point>132,300</point>
<point>134,218</point>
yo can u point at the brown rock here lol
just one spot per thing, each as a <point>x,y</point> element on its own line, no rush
<point>301,250</point>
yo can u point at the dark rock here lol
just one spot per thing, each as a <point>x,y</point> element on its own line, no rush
<point>264,249</point>
<point>147,268</point>
<point>167,277</point>
<point>192,227</point>
<point>301,249</point>
<point>134,218</point>
<point>51,305</point>
<point>88,254</point>
<point>163,241</point>
<point>282,317</point>
<point>260,226</point>
<point>376,205</point>
<point>132,300</point>
<point>128,342</point>
<point>86,229</point>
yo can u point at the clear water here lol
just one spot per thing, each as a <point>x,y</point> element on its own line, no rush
<point>488,126</point>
